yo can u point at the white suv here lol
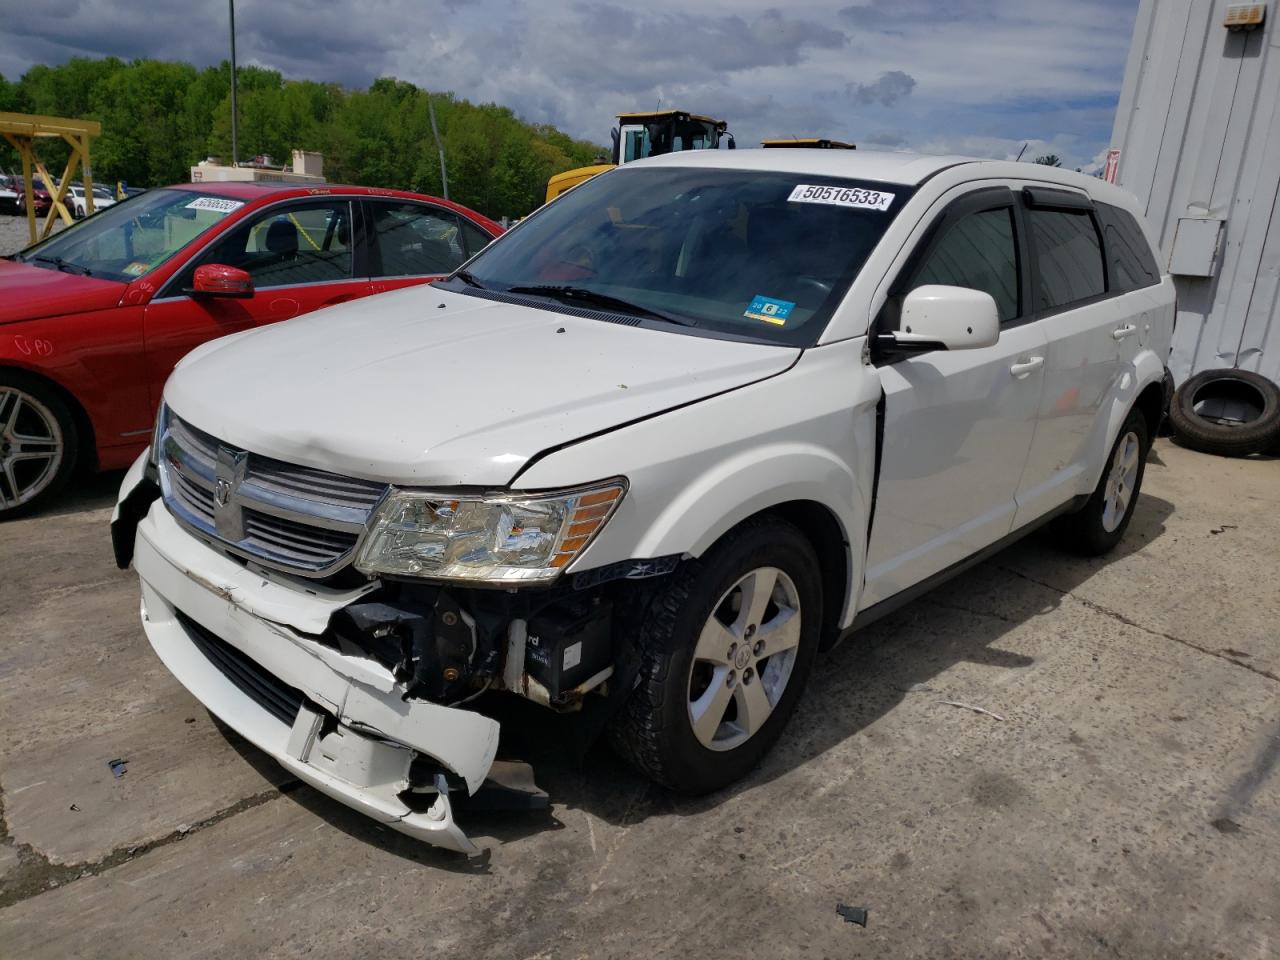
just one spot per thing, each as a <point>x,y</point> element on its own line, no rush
<point>643,458</point>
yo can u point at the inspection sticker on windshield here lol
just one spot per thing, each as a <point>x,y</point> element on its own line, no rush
<point>854,197</point>
<point>770,310</point>
<point>217,204</point>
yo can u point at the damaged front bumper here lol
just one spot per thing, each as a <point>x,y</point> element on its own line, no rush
<point>242,643</point>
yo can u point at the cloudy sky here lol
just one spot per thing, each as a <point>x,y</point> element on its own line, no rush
<point>979,77</point>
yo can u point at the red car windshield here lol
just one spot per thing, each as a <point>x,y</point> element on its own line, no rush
<point>131,238</point>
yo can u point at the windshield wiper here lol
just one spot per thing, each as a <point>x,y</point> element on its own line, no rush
<point>66,266</point>
<point>467,277</point>
<point>571,294</point>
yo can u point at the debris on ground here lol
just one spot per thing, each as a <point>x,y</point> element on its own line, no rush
<point>118,767</point>
<point>970,706</point>
<point>1222,529</point>
<point>856,915</point>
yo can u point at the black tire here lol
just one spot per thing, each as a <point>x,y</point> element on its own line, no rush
<point>43,410</point>
<point>1093,530</point>
<point>653,730</point>
<point>1247,418</point>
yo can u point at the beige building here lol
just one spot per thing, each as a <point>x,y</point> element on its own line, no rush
<point>307,167</point>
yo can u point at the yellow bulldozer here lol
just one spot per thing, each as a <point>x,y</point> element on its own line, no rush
<point>640,135</point>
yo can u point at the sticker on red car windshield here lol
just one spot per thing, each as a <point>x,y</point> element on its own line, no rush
<point>217,204</point>
<point>854,197</point>
<point>136,269</point>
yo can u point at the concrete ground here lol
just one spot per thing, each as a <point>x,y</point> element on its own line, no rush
<point>1127,804</point>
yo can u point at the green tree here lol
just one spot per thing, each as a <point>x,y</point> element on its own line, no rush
<point>1049,160</point>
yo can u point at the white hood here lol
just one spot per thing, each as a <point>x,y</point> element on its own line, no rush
<point>427,387</point>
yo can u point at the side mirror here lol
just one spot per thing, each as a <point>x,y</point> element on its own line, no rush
<point>937,317</point>
<point>219,280</point>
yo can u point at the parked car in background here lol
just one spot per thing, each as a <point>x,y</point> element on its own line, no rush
<point>641,459</point>
<point>8,196</point>
<point>39,195</point>
<point>103,197</point>
<point>94,318</point>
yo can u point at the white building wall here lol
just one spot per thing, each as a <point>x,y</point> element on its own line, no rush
<point>1198,129</point>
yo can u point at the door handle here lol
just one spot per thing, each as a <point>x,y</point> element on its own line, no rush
<point>1121,332</point>
<point>1024,367</point>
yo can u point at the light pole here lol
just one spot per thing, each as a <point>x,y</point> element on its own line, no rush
<point>235,157</point>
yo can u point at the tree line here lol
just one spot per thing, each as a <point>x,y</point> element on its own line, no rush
<point>160,117</point>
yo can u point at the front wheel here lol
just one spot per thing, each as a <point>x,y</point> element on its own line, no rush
<point>1100,524</point>
<point>724,658</point>
<point>37,443</point>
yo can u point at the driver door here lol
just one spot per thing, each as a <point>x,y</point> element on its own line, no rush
<point>301,257</point>
<point>958,425</point>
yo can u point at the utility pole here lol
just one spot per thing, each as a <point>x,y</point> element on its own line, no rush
<point>235,154</point>
<point>444,177</point>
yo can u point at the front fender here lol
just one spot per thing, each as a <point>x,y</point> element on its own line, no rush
<point>807,434</point>
<point>731,490</point>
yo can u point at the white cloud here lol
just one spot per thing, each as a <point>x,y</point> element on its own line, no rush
<point>982,75</point>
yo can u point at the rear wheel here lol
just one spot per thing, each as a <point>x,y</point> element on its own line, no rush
<point>37,444</point>
<point>724,659</point>
<point>1100,524</point>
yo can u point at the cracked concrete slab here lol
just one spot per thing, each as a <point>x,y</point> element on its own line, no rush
<point>1128,804</point>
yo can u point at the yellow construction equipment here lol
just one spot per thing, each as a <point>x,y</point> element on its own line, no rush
<point>811,143</point>
<point>640,135</point>
<point>22,130</point>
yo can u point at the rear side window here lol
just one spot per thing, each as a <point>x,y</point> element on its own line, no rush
<point>416,240</point>
<point>1132,265</point>
<point>1067,254</point>
<point>978,252</point>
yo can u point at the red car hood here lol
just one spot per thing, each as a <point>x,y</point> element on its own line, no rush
<point>29,293</point>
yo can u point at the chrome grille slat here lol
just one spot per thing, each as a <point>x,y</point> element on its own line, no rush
<point>294,518</point>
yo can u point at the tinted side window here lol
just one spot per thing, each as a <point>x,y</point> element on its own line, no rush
<point>300,243</point>
<point>1128,254</point>
<point>413,240</point>
<point>1067,255</point>
<point>475,239</point>
<point>978,252</point>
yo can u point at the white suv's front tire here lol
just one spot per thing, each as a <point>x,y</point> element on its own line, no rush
<point>725,653</point>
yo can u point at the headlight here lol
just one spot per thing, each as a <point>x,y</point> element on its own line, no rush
<point>508,538</point>
<point>157,432</point>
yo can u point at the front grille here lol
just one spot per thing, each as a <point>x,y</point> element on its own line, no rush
<point>263,688</point>
<point>291,517</point>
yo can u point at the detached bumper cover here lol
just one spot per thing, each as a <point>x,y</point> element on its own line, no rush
<point>364,761</point>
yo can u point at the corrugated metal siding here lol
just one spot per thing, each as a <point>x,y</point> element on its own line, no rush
<point>1198,127</point>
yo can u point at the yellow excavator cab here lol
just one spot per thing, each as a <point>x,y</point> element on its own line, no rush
<point>811,143</point>
<point>640,135</point>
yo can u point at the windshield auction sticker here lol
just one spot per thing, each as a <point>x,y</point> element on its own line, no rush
<point>770,310</point>
<point>217,204</point>
<point>854,197</point>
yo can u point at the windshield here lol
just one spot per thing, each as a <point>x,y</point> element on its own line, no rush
<point>128,239</point>
<point>761,255</point>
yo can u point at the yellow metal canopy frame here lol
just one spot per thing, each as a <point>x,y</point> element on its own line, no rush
<point>22,130</point>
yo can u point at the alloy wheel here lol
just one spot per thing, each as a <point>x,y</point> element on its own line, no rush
<point>31,447</point>
<point>1120,481</point>
<point>744,658</point>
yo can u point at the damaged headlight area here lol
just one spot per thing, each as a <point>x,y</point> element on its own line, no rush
<point>500,539</point>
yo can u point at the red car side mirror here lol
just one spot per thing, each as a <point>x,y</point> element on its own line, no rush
<point>219,280</point>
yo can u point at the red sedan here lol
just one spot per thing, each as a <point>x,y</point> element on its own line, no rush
<point>93,319</point>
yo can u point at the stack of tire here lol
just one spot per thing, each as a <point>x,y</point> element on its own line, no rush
<point>1231,413</point>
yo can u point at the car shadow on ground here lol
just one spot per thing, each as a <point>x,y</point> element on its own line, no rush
<point>851,687</point>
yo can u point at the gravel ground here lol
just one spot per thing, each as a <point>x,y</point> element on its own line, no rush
<point>13,234</point>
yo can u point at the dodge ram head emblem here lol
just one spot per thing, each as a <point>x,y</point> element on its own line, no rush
<point>229,470</point>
